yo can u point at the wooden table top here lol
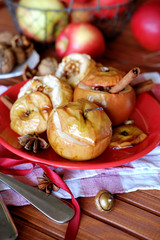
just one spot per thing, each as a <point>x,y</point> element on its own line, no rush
<point>135,215</point>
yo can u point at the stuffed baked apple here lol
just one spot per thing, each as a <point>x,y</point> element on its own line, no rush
<point>74,67</point>
<point>110,89</point>
<point>29,113</point>
<point>38,96</point>
<point>79,130</point>
<point>59,91</point>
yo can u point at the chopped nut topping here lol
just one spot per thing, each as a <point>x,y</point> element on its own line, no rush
<point>48,89</point>
<point>40,88</point>
<point>71,68</point>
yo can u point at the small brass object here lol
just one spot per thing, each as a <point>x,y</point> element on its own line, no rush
<point>104,200</point>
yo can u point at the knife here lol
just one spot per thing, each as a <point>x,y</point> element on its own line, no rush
<point>49,205</point>
<point>8,229</point>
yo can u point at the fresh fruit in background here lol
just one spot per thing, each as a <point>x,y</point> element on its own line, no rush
<point>41,25</point>
<point>107,8</point>
<point>80,12</point>
<point>73,132</point>
<point>110,8</point>
<point>97,87</point>
<point>76,1</point>
<point>145,25</point>
<point>80,38</point>
<point>79,15</point>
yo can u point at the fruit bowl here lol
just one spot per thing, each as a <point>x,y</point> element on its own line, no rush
<point>43,23</point>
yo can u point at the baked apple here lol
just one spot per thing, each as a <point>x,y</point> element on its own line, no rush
<point>110,89</point>
<point>74,67</point>
<point>79,131</point>
<point>29,113</point>
<point>58,91</point>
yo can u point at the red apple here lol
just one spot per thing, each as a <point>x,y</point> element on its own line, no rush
<point>145,25</point>
<point>76,1</point>
<point>80,38</point>
<point>109,8</point>
<point>80,12</point>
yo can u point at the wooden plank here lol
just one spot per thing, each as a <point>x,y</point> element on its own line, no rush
<point>155,193</point>
<point>26,232</point>
<point>126,217</point>
<point>88,226</point>
<point>143,199</point>
<point>36,219</point>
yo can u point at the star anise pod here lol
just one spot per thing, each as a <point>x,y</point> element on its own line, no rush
<point>46,185</point>
<point>32,142</point>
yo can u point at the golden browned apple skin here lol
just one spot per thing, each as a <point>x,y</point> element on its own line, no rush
<point>29,113</point>
<point>80,147</point>
<point>118,106</point>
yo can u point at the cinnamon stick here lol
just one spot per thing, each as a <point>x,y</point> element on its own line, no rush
<point>145,86</point>
<point>7,101</point>
<point>125,80</point>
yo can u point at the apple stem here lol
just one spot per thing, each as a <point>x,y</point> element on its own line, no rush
<point>91,109</point>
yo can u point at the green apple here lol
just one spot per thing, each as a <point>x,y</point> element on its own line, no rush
<point>41,20</point>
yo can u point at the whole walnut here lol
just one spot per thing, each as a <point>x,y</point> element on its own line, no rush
<point>7,59</point>
<point>5,37</point>
<point>22,48</point>
<point>48,65</point>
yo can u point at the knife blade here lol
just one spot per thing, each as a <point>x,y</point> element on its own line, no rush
<point>49,205</point>
<point>8,229</point>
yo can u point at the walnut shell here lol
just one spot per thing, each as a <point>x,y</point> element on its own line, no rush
<point>7,59</point>
<point>20,55</point>
<point>22,47</point>
<point>47,66</point>
<point>5,37</point>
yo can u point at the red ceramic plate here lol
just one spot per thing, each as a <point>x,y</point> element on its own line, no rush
<point>146,116</point>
